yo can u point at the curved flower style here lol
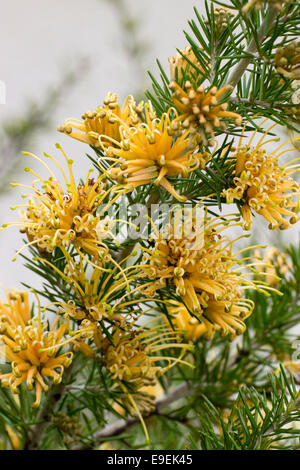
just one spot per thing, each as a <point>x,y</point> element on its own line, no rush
<point>199,111</point>
<point>130,356</point>
<point>103,120</point>
<point>57,217</point>
<point>202,276</point>
<point>31,347</point>
<point>102,295</point>
<point>149,153</point>
<point>263,186</point>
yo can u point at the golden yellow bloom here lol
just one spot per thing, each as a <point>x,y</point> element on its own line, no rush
<point>200,111</point>
<point>54,216</point>
<point>287,60</point>
<point>274,262</point>
<point>149,153</point>
<point>131,355</point>
<point>31,347</point>
<point>263,186</point>
<point>181,63</point>
<point>102,295</point>
<point>104,120</point>
<point>202,276</point>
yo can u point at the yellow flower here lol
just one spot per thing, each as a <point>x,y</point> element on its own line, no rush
<point>131,355</point>
<point>54,216</point>
<point>263,186</point>
<point>274,262</point>
<point>222,17</point>
<point>191,327</point>
<point>202,276</point>
<point>200,111</point>
<point>180,63</point>
<point>31,347</point>
<point>101,296</point>
<point>103,120</point>
<point>287,60</point>
<point>148,153</point>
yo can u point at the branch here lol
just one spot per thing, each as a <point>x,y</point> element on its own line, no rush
<point>264,28</point>
<point>122,425</point>
<point>37,432</point>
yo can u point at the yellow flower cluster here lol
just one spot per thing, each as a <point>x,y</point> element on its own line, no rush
<point>148,153</point>
<point>104,120</point>
<point>57,216</point>
<point>275,263</point>
<point>32,348</point>
<point>222,17</point>
<point>203,277</point>
<point>287,60</point>
<point>199,111</point>
<point>263,186</point>
<point>181,63</point>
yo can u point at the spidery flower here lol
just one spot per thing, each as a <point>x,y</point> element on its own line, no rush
<point>199,111</point>
<point>149,153</point>
<point>54,216</point>
<point>31,347</point>
<point>132,358</point>
<point>102,295</point>
<point>103,120</point>
<point>262,186</point>
<point>205,276</point>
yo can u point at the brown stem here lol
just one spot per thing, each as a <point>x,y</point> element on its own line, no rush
<point>241,67</point>
<point>122,425</point>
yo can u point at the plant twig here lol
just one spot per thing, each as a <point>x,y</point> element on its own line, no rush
<point>122,425</point>
<point>241,67</point>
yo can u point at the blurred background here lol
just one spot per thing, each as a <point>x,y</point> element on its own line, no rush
<point>60,58</point>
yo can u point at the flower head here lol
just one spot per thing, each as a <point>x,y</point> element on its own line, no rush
<point>263,186</point>
<point>202,277</point>
<point>102,296</point>
<point>32,348</point>
<point>222,17</point>
<point>287,60</point>
<point>54,216</point>
<point>103,120</point>
<point>199,111</point>
<point>149,153</point>
<point>275,263</point>
<point>131,354</point>
<point>181,62</point>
